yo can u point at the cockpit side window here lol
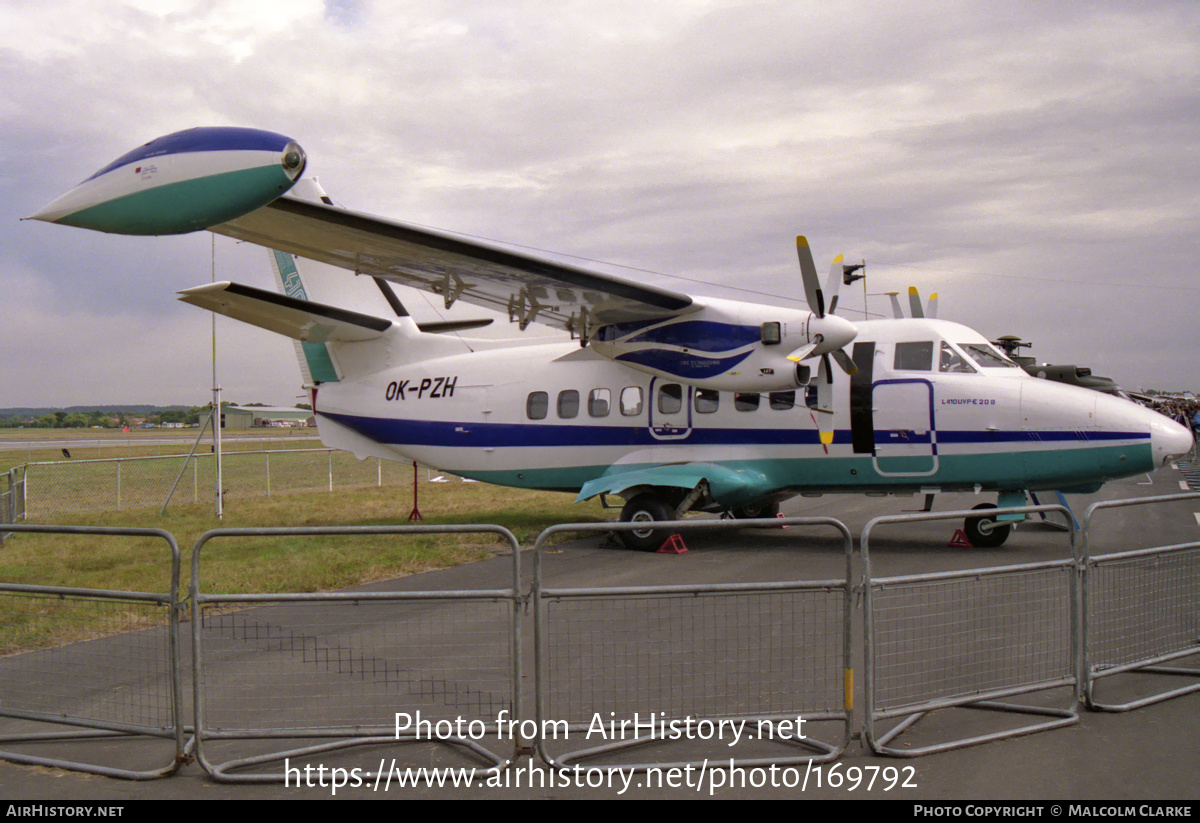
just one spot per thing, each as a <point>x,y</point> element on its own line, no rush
<point>986,356</point>
<point>949,360</point>
<point>914,356</point>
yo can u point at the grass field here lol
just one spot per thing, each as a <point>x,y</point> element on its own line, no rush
<point>24,445</point>
<point>278,564</point>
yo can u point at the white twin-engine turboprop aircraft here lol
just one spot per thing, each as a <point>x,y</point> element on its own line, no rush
<point>672,402</point>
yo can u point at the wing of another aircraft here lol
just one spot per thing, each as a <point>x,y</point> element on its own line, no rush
<point>528,287</point>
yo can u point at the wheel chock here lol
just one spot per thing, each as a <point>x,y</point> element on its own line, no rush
<point>960,541</point>
<point>673,545</point>
<point>780,516</point>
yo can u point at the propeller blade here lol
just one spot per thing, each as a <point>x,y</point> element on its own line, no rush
<point>845,361</point>
<point>834,283</point>
<point>897,312</point>
<point>802,352</point>
<point>825,401</point>
<point>914,302</point>
<point>808,272</point>
<point>931,309</point>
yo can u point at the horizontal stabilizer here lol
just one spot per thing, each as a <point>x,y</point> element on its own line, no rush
<point>454,325</point>
<point>299,319</point>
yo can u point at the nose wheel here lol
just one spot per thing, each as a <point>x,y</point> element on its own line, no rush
<point>984,532</point>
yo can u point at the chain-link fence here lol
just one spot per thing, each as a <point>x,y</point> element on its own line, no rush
<point>142,482</point>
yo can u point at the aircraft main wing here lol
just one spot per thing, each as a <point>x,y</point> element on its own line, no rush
<point>528,287</point>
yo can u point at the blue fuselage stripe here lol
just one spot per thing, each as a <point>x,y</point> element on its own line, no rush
<point>526,435</point>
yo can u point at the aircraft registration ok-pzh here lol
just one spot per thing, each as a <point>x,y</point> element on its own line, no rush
<point>672,402</point>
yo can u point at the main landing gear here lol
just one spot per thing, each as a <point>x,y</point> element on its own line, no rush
<point>649,507</point>
<point>645,508</point>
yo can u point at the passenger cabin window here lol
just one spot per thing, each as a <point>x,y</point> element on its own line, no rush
<point>598,402</point>
<point>536,405</point>
<point>745,401</point>
<point>914,356</point>
<point>670,398</point>
<point>706,401</point>
<point>568,404</point>
<point>781,400</point>
<point>951,361</point>
<point>631,401</point>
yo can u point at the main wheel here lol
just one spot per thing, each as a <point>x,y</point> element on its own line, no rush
<point>985,532</point>
<point>755,510</point>
<point>645,508</point>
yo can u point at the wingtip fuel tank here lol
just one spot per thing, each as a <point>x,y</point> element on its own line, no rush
<point>182,182</point>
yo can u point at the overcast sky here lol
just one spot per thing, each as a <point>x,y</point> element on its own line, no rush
<point>1038,164</point>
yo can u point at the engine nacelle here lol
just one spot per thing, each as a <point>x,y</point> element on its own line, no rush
<point>724,347</point>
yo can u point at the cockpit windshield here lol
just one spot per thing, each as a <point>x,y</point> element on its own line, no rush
<point>986,356</point>
<point>964,358</point>
<point>949,360</point>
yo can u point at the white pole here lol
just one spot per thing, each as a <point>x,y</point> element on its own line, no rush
<point>216,394</point>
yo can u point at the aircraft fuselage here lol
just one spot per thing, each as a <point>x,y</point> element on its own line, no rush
<point>921,413</point>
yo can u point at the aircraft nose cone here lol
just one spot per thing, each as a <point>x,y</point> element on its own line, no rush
<point>1169,440</point>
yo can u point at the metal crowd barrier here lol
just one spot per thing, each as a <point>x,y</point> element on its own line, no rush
<point>694,667</point>
<point>635,677</point>
<point>338,669</point>
<point>1141,609</point>
<point>96,665</point>
<point>968,639</point>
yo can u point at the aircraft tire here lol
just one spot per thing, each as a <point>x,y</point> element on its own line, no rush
<point>755,510</point>
<point>985,537</point>
<point>645,508</point>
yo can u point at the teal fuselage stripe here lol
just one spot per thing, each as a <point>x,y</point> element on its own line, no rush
<point>1077,469</point>
<point>186,206</point>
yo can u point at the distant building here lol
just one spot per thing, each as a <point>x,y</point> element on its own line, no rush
<point>253,417</point>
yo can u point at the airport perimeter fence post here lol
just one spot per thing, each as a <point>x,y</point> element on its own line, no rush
<point>94,665</point>
<point>337,670</point>
<point>1141,608</point>
<point>623,669</point>
<point>12,500</point>
<point>967,639</point>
